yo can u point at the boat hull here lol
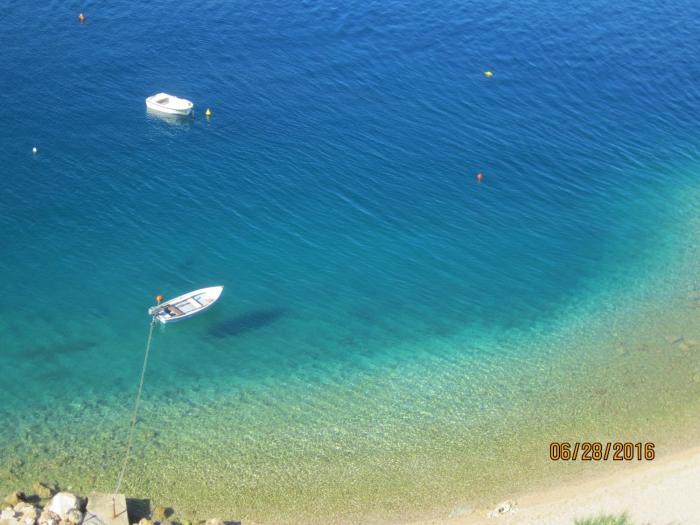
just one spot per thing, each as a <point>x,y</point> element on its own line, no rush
<point>154,106</point>
<point>169,104</point>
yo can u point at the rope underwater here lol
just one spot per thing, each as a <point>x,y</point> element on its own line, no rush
<point>134,416</point>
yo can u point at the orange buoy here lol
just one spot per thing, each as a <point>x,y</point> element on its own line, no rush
<point>479,177</point>
<point>159,298</point>
<point>81,17</point>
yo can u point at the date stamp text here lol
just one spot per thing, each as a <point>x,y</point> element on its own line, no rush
<point>597,451</point>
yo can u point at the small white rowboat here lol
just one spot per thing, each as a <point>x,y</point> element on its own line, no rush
<point>186,305</point>
<point>169,104</point>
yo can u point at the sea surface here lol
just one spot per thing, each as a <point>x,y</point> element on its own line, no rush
<point>395,339</point>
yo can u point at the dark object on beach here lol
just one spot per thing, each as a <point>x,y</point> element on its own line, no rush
<point>137,509</point>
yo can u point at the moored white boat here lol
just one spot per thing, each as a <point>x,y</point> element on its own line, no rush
<point>169,104</point>
<point>186,305</point>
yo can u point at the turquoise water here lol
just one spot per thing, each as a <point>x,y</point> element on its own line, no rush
<point>371,282</point>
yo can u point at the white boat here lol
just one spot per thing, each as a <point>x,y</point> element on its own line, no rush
<point>186,305</point>
<point>169,104</point>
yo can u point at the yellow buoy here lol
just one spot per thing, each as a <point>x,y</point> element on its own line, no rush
<point>207,113</point>
<point>488,74</point>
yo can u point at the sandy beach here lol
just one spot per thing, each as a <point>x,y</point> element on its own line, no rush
<point>663,492</point>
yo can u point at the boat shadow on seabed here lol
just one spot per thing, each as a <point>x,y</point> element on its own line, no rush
<point>247,322</point>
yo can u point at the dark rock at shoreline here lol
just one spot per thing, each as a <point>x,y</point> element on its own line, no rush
<point>66,508</point>
<point>158,514</point>
<point>43,490</point>
<point>15,497</point>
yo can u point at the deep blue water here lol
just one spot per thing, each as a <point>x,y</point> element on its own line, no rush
<point>333,190</point>
<point>335,181</point>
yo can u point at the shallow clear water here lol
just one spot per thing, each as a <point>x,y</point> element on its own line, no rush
<point>384,315</point>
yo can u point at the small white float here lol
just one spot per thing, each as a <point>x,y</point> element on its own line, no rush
<point>169,104</point>
<point>186,305</point>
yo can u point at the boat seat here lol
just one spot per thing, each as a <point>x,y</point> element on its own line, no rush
<point>174,310</point>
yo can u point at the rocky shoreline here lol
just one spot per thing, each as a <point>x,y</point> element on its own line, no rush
<point>47,505</point>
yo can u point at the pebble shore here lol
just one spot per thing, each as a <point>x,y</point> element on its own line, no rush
<point>47,505</point>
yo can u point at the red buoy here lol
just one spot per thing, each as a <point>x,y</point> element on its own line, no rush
<point>159,298</point>
<point>479,177</point>
<point>81,17</point>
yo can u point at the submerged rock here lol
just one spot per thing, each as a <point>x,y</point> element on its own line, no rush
<point>158,513</point>
<point>43,490</point>
<point>15,497</point>
<point>74,517</point>
<point>49,518</point>
<point>62,502</point>
<point>503,508</point>
<point>144,521</point>
<point>28,511</point>
<point>214,521</point>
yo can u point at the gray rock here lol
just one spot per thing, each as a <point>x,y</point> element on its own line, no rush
<point>29,513</point>
<point>74,517</point>
<point>503,508</point>
<point>62,502</point>
<point>144,521</point>
<point>49,518</point>
<point>214,521</point>
<point>9,517</point>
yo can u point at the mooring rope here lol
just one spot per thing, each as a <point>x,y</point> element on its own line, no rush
<point>136,407</point>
